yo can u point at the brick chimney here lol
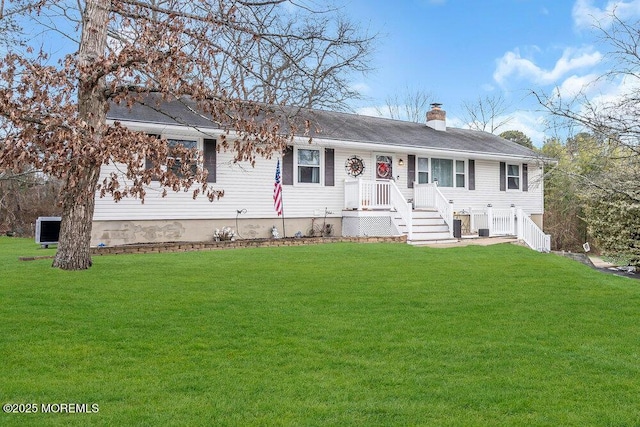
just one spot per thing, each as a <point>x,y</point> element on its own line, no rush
<point>437,117</point>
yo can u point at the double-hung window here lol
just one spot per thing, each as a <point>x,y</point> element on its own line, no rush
<point>460,173</point>
<point>176,162</point>
<point>308,166</point>
<point>513,177</point>
<point>446,172</point>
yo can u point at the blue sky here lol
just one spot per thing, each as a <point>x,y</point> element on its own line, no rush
<point>461,50</point>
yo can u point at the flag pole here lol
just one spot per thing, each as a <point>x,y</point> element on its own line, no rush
<point>284,232</point>
<point>277,197</point>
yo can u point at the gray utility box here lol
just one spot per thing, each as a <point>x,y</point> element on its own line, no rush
<point>457,228</point>
<point>48,230</point>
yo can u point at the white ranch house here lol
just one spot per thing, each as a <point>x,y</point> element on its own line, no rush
<point>369,176</point>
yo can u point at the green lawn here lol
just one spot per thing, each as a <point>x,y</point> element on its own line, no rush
<point>339,334</point>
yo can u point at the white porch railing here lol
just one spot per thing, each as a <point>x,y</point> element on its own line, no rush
<point>502,221</point>
<point>365,194</point>
<point>403,207</point>
<point>478,220</point>
<point>430,196</point>
<point>531,234</point>
<point>510,222</point>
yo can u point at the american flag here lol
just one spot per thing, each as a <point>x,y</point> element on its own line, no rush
<point>277,191</point>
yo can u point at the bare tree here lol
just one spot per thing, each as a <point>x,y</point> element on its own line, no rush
<point>24,196</point>
<point>53,117</point>
<point>411,105</point>
<point>610,184</point>
<point>330,60</point>
<point>615,121</point>
<point>486,114</point>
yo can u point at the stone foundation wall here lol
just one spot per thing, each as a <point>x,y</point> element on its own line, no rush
<point>116,233</point>
<point>249,243</point>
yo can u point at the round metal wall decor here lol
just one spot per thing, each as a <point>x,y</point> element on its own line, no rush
<point>354,166</point>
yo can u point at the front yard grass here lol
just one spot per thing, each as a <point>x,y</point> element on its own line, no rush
<point>337,334</point>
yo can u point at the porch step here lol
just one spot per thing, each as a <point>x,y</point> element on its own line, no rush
<point>428,227</point>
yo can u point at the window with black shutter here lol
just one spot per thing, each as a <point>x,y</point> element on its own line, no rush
<point>329,168</point>
<point>411,170</point>
<point>210,155</point>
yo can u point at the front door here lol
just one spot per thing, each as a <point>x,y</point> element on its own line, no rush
<point>384,166</point>
<point>384,171</point>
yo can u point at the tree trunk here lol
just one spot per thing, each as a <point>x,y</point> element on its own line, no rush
<point>81,180</point>
<point>77,216</point>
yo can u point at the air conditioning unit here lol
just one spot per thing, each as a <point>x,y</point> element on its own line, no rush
<point>48,230</point>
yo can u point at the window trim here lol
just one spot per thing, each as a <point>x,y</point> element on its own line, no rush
<point>465,170</point>
<point>181,137</point>
<point>199,146</point>
<point>296,167</point>
<point>454,172</point>
<point>519,176</point>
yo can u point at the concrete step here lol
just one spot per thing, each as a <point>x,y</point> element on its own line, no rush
<point>432,242</point>
<point>430,235</point>
<point>431,228</point>
<point>428,227</point>
<point>418,222</point>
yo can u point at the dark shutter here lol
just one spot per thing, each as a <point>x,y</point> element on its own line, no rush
<point>525,177</point>
<point>472,174</point>
<point>210,158</point>
<point>503,176</point>
<point>287,166</point>
<point>148,164</point>
<point>329,175</point>
<point>411,170</point>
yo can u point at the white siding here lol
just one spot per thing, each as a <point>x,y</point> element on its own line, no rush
<point>244,188</point>
<point>488,190</point>
<point>252,189</point>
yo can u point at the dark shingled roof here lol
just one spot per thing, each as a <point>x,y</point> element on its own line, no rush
<point>345,127</point>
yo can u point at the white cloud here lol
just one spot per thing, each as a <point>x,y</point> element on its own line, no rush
<point>531,123</point>
<point>370,111</point>
<point>361,87</point>
<point>513,65</point>
<point>613,92</point>
<point>578,85</point>
<point>487,87</point>
<point>586,15</point>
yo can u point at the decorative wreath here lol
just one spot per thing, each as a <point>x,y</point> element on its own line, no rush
<point>354,166</point>
<point>384,171</point>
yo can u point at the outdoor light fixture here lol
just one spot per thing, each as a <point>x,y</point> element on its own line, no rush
<point>401,162</point>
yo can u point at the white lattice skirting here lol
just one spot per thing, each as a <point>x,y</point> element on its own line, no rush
<point>364,226</point>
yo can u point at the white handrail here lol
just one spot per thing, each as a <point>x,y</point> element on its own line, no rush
<point>531,234</point>
<point>445,208</point>
<point>403,208</point>
<point>430,196</point>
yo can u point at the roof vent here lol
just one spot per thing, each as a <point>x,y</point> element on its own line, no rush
<point>437,117</point>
